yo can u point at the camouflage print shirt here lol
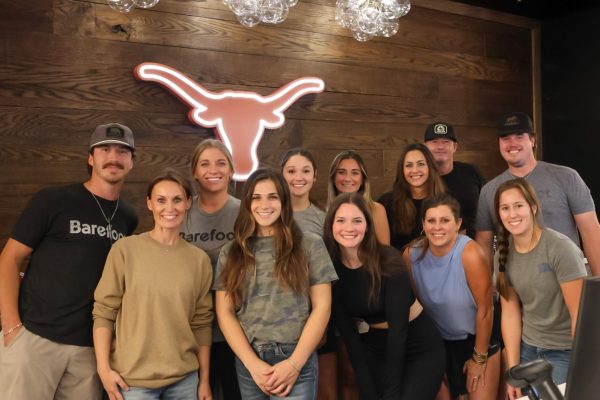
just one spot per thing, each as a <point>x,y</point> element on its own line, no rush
<point>270,312</point>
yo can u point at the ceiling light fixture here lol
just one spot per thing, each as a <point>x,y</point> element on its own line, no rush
<point>369,18</point>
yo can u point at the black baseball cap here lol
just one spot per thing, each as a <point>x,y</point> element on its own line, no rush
<point>514,123</point>
<point>440,130</point>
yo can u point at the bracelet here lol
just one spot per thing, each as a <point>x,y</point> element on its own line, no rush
<point>293,364</point>
<point>479,358</point>
<point>478,361</point>
<point>14,328</point>
<point>478,354</point>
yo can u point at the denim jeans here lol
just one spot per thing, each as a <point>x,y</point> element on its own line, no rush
<point>185,389</point>
<point>558,358</point>
<point>305,387</point>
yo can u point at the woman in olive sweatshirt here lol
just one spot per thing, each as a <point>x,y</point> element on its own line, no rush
<point>153,307</point>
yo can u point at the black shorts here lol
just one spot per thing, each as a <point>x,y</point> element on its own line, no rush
<point>497,325</point>
<point>457,353</point>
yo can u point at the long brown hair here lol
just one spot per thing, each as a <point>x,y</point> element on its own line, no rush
<point>301,151</point>
<point>530,197</point>
<point>376,259</point>
<point>291,266</point>
<point>404,209</point>
<point>440,199</point>
<point>365,187</point>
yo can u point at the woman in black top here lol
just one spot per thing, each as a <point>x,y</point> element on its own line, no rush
<point>417,178</point>
<point>372,306</point>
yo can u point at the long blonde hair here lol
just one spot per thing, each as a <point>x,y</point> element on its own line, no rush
<point>210,144</point>
<point>365,187</point>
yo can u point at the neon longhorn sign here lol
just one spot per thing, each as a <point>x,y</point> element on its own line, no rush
<point>240,118</point>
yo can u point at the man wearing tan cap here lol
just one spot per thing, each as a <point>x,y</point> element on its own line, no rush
<point>66,232</point>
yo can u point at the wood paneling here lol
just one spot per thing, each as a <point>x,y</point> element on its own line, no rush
<point>66,66</point>
<point>34,15</point>
<point>147,26</point>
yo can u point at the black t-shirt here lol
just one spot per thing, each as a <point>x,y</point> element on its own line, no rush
<point>464,182</point>
<point>397,239</point>
<point>70,240</point>
<point>351,303</point>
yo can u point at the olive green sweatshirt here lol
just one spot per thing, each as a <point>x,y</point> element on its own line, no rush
<point>157,299</point>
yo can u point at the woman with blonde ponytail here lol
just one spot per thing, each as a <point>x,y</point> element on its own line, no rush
<point>209,226</point>
<point>540,278</point>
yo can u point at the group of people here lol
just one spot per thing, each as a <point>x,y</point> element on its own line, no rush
<point>276,296</point>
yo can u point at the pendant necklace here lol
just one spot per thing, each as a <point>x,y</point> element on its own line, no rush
<point>108,220</point>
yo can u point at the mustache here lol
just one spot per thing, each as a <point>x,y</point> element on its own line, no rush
<point>113,164</point>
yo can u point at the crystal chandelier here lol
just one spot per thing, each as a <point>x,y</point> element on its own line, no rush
<point>251,12</point>
<point>128,5</point>
<point>370,18</point>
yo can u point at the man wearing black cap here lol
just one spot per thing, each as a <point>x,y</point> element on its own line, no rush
<point>567,204</point>
<point>463,181</point>
<point>66,233</point>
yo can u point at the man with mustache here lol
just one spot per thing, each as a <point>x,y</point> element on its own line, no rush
<point>64,234</point>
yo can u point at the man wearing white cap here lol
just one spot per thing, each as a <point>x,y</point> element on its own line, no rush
<point>65,233</point>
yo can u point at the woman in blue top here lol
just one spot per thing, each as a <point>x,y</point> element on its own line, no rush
<point>454,285</point>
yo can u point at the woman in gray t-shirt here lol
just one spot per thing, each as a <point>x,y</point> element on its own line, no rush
<point>540,278</point>
<point>299,170</point>
<point>209,226</point>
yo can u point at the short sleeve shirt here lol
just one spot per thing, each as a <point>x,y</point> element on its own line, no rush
<point>310,220</point>
<point>536,277</point>
<point>66,228</point>
<point>561,192</point>
<point>210,231</point>
<point>269,311</point>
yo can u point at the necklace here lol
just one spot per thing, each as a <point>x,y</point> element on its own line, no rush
<point>108,220</point>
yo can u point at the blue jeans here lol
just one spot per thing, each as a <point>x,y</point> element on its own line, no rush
<point>558,358</point>
<point>305,387</point>
<point>185,389</point>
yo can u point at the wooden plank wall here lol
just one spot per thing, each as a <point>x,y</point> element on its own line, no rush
<point>66,66</point>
